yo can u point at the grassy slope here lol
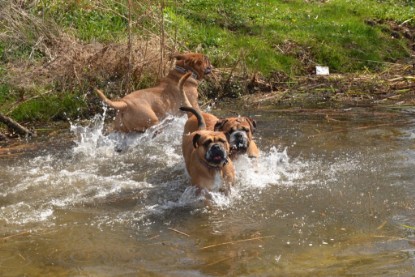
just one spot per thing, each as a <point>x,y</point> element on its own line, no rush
<point>334,33</point>
<point>265,36</point>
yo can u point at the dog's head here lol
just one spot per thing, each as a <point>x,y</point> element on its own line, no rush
<point>212,147</point>
<point>198,64</point>
<point>239,132</point>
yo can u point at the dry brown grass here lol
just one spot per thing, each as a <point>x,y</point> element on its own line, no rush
<point>60,62</point>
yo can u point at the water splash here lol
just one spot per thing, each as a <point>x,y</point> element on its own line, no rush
<point>105,168</point>
<point>91,140</point>
<point>270,168</point>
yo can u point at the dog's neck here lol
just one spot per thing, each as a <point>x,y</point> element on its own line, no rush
<point>184,70</point>
<point>176,75</point>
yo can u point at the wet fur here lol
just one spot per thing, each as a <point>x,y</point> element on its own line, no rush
<point>196,147</point>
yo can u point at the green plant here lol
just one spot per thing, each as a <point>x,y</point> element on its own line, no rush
<point>102,20</point>
<point>50,107</point>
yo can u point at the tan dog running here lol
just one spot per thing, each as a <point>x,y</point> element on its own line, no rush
<point>144,108</point>
<point>206,156</point>
<point>238,130</point>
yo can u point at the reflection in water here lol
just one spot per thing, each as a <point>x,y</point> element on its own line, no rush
<point>331,195</point>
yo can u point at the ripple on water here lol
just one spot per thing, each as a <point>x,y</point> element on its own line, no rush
<point>112,199</point>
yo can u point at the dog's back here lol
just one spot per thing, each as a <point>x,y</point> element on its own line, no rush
<point>197,119</point>
<point>191,124</point>
<point>144,108</point>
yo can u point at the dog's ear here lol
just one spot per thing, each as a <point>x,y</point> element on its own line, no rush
<point>192,61</point>
<point>219,125</point>
<point>252,123</point>
<point>179,57</point>
<point>196,138</point>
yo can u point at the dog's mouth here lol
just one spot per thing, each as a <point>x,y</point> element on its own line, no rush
<point>239,141</point>
<point>216,156</point>
<point>239,147</point>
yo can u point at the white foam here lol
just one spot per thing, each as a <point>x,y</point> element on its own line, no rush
<point>95,170</point>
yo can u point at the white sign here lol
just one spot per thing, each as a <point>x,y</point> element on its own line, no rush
<point>322,70</point>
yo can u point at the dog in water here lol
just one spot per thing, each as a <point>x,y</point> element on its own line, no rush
<point>141,109</point>
<point>206,155</point>
<point>238,130</point>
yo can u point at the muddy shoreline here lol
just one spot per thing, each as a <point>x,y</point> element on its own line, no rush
<point>395,86</point>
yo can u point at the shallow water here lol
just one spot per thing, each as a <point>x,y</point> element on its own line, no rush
<point>331,195</point>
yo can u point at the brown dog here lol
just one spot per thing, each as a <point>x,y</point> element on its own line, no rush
<point>144,108</point>
<point>206,156</point>
<point>238,130</point>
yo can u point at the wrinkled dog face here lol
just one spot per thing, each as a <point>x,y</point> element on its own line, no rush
<point>238,130</point>
<point>197,63</point>
<point>238,139</point>
<point>212,147</point>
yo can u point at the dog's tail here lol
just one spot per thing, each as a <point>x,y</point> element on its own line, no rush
<point>185,100</point>
<point>118,105</point>
<point>200,120</point>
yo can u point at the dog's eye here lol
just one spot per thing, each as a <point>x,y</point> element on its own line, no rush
<point>231,131</point>
<point>206,143</point>
<point>245,129</point>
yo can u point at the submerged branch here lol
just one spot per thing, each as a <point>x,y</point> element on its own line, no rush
<point>25,233</point>
<point>179,232</point>
<point>235,241</point>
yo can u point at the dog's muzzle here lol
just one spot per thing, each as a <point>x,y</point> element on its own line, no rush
<point>208,70</point>
<point>239,141</point>
<point>216,156</point>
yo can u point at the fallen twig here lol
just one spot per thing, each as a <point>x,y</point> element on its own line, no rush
<point>382,225</point>
<point>407,226</point>
<point>154,237</point>
<point>218,261</point>
<point>16,235</point>
<point>233,242</point>
<point>402,78</point>
<point>15,126</point>
<point>179,232</point>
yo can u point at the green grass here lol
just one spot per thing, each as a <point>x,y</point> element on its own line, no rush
<point>4,92</point>
<point>335,33</point>
<point>50,107</point>
<point>44,107</point>
<point>265,36</point>
<point>102,20</point>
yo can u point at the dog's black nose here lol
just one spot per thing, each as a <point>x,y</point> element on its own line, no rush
<point>215,147</point>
